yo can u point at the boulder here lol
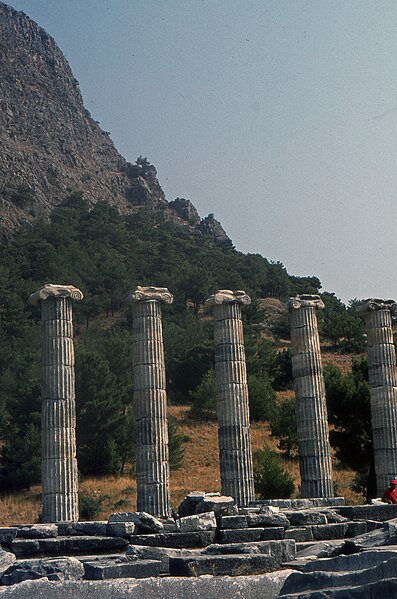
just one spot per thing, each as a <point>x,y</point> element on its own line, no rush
<point>189,504</point>
<point>62,568</point>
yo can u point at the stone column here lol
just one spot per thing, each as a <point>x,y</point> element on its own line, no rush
<point>383,381</point>
<point>235,454</point>
<point>150,401</point>
<point>59,474</point>
<point>311,410</point>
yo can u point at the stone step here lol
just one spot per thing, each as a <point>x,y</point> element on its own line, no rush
<point>243,535</point>
<point>122,568</point>
<point>67,545</point>
<point>161,554</point>
<point>222,565</point>
<point>178,540</point>
<point>282,551</point>
<point>300,504</point>
<point>378,512</point>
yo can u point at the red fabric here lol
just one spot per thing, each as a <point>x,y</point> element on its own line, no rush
<point>390,495</point>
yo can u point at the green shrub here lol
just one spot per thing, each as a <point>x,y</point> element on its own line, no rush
<point>89,507</point>
<point>271,480</point>
<point>283,426</point>
<point>175,444</point>
<point>262,397</point>
<point>204,398</point>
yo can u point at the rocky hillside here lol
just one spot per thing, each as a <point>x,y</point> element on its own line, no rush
<point>51,146</point>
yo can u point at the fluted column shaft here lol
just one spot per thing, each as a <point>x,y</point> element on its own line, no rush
<point>235,455</point>
<point>311,412</point>
<point>59,473</point>
<point>150,407</point>
<point>383,382</point>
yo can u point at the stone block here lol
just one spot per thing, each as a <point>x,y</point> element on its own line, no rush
<point>233,521</point>
<point>81,544</point>
<point>244,535</point>
<point>64,568</point>
<point>379,512</point>
<point>373,525</point>
<point>176,540</point>
<point>325,532</point>
<point>104,570</point>
<point>303,533</point>
<point>197,522</point>
<point>222,565</point>
<point>7,534</point>
<point>161,554</point>
<point>6,560</point>
<point>305,517</point>
<point>267,519</point>
<point>190,502</point>
<point>145,523</point>
<point>221,505</point>
<point>375,538</point>
<point>120,529</point>
<point>282,551</point>
<point>355,528</point>
<point>272,533</point>
<point>82,528</point>
<point>344,563</point>
<point>244,511</point>
<point>320,548</point>
<point>25,547</point>
<point>37,531</point>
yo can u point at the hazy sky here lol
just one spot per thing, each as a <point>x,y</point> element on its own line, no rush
<point>280,117</point>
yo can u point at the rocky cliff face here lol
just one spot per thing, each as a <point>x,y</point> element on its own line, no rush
<point>50,145</point>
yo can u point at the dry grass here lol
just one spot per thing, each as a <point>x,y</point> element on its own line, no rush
<point>200,472</point>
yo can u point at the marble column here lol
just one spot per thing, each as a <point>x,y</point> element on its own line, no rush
<point>311,410</point>
<point>235,454</point>
<point>150,401</point>
<point>58,413</point>
<point>382,373</point>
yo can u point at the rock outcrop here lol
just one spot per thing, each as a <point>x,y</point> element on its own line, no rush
<point>51,146</point>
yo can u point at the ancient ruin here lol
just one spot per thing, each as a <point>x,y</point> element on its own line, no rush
<point>58,412</point>
<point>382,373</point>
<point>232,396</point>
<point>311,412</point>
<point>150,400</point>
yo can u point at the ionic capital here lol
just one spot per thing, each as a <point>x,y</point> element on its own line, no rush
<point>226,296</point>
<point>50,290</point>
<point>305,301</point>
<point>145,294</point>
<point>374,303</point>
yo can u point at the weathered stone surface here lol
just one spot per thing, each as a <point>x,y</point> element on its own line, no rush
<point>144,522</point>
<point>7,534</point>
<point>332,516</point>
<point>233,522</point>
<point>311,413</point>
<point>205,521</point>
<point>244,535</point>
<point>66,545</point>
<point>25,547</point>
<point>59,474</point>
<point>37,531</point>
<point>235,455</point>
<point>323,532</point>
<point>190,502</point>
<point>344,563</point>
<point>161,554</point>
<point>243,587</point>
<point>6,560</point>
<point>378,512</point>
<point>150,401</point>
<point>273,533</point>
<point>382,374</point>
<point>120,529</point>
<point>356,528</point>
<point>300,504</point>
<point>222,565</point>
<point>65,568</point>
<point>103,570</point>
<point>221,505</point>
<point>82,528</point>
<point>304,517</point>
<point>282,551</point>
<point>302,533</point>
<point>176,539</point>
<point>267,519</point>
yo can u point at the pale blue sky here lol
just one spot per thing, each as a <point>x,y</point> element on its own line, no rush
<point>278,116</point>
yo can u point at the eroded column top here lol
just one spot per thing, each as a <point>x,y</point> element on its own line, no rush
<point>305,301</point>
<point>55,290</point>
<point>375,303</point>
<point>226,296</point>
<point>145,294</point>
